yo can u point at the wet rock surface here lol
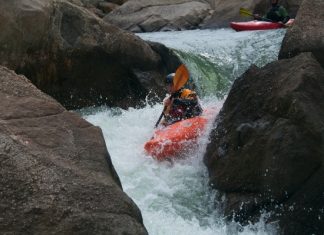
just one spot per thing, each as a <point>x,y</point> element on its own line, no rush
<point>56,175</point>
<point>267,149</point>
<point>75,57</point>
<point>307,32</point>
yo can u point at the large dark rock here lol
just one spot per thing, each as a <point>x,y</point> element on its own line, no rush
<point>307,32</point>
<point>74,56</point>
<point>56,176</point>
<point>267,149</point>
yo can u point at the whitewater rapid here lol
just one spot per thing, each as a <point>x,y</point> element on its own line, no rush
<point>175,198</point>
<point>215,58</point>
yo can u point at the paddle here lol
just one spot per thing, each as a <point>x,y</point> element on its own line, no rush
<point>246,12</point>
<point>180,78</point>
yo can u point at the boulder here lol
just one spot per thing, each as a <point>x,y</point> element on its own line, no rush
<point>226,12</point>
<point>75,57</point>
<point>267,148</point>
<point>98,7</point>
<point>56,175</point>
<point>166,15</point>
<point>307,32</point>
<point>107,7</point>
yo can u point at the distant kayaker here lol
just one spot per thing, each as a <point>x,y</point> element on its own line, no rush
<point>276,13</point>
<point>181,104</point>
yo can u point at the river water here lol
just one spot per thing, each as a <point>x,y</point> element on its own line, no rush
<point>175,198</point>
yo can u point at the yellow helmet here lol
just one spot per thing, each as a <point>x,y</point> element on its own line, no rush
<point>186,93</point>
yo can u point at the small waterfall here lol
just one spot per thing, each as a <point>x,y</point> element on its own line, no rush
<point>215,58</point>
<point>176,199</point>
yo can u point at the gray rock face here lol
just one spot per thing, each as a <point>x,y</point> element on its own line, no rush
<point>75,57</point>
<point>267,150</point>
<point>150,15</point>
<point>307,32</point>
<point>56,176</point>
<point>227,11</point>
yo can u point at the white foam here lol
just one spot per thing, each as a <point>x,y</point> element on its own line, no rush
<point>173,198</point>
<point>176,199</point>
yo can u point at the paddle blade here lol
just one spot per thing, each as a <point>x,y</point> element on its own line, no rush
<point>245,12</point>
<point>180,78</point>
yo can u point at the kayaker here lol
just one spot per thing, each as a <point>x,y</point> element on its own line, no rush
<point>277,13</point>
<point>182,104</point>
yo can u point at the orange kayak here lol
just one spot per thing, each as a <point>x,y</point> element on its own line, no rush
<point>172,140</point>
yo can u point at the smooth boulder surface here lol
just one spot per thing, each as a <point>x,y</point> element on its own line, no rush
<point>166,15</point>
<point>77,58</point>
<point>267,148</point>
<point>307,32</point>
<point>227,11</point>
<point>56,175</point>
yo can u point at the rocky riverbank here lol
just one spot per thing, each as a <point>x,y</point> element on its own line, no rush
<point>166,15</point>
<point>56,173</point>
<point>77,58</point>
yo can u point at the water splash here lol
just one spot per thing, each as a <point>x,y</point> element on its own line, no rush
<point>176,198</point>
<point>215,58</point>
<point>173,198</point>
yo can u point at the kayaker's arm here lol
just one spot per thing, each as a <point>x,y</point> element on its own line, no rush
<point>261,18</point>
<point>167,102</point>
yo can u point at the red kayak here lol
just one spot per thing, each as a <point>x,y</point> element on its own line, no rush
<point>172,140</point>
<point>258,25</point>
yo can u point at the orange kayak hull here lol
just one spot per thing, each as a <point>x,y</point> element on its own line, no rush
<point>172,140</point>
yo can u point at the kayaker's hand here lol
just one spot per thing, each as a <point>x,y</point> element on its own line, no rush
<point>288,24</point>
<point>167,101</point>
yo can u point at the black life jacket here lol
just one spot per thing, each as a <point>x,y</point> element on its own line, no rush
<point>274,14</point>
<point>185,105</point>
